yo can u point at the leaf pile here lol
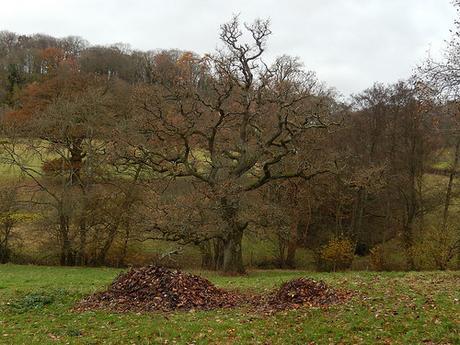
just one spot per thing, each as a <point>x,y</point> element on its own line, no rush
<point>154,288</point>
<point>306,292</point>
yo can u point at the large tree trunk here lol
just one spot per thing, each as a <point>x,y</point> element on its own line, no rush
<point>233,254</point>
<point>233,238</point>
<point>66,257</point>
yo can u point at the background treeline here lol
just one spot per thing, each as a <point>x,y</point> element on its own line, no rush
<point>111,156</point>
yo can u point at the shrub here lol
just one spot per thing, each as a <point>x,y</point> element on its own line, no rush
<point>32,301</point>
<point>388,256</point>
<point>337,254</point>
<point>435,248</point>
<point>377,256</point>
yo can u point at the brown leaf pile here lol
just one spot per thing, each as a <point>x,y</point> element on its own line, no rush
<point>154,288</point>
<point>306,292</point>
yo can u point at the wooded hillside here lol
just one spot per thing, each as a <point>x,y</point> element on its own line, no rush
<point>107,151</point>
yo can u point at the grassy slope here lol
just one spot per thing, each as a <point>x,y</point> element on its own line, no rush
<point>400,308</point>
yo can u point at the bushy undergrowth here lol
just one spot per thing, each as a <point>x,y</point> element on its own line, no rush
<point>337,254</point>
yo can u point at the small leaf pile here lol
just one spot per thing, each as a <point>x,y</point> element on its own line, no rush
<point>154,288</point>
<point>306,292</point>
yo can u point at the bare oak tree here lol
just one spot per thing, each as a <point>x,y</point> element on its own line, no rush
<point>230,124</point>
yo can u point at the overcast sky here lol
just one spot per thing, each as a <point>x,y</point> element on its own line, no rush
<point>349,43</point>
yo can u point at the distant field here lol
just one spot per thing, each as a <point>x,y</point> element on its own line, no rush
<point>394,308</point>
<point>30,158</point>
<point>33,156</point>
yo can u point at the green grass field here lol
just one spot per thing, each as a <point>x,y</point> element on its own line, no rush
<point>390,308</point>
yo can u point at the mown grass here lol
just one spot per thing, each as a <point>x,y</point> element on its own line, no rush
<point>390,308</point>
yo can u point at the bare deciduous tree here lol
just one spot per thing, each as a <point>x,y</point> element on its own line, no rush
<point>233,125</point>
